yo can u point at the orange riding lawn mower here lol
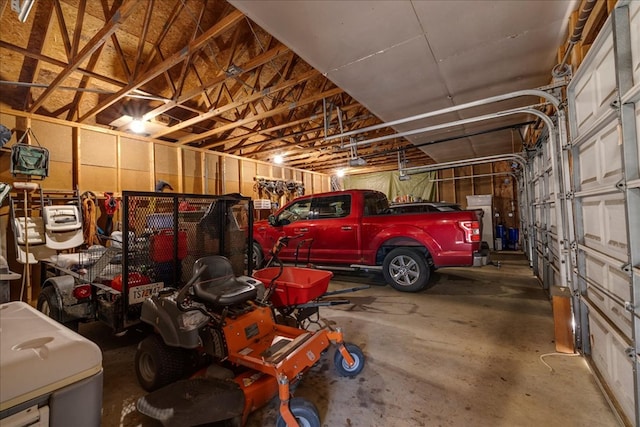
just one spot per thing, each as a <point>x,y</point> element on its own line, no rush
<point>223,328</point>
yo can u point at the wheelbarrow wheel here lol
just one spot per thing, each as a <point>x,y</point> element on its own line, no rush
<point>304,411</point>
<point>158,364</point>
<point>343,368</point>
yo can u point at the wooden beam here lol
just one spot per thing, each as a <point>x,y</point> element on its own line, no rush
<point>276,128</point>
<point>77,32</point>
<point>177,8</point>
<point>74,110</point>
<point>187,64</point>
<point>233,105</point>
<point>66,41</point>
<point>224,24</point>
<point>40,57</point>
<point>273,112</point>
<point>143,38</point>
<point>248,66</point>
<point>118,18</point>
<point>114,39</point>
<point>30,67</point>
<point>298,134</point>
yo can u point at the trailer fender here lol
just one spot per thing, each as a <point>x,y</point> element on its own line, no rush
<point>64,285</point>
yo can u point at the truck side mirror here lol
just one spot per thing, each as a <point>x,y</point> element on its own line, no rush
<point>272,220</point>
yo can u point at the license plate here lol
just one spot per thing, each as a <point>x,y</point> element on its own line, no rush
<point>142,292</point>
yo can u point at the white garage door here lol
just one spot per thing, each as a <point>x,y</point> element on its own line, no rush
<point>606,201</point>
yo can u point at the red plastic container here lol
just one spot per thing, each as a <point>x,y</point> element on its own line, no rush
<point>296,285</point>
<point>135,279</point>
<point>162,245</point>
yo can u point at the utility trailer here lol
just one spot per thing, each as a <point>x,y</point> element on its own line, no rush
<point>162,236</point>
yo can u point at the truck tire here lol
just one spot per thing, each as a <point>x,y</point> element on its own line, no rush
<point>406,270</point>
<point>49,305</point>
<point>258,257</point>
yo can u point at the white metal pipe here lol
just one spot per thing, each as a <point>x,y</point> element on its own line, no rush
<point>441,126</point>
<point>480,175</point>
<point>456,163</point>
<point>527,92</point>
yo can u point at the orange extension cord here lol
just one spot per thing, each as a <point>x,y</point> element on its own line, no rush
<point>90,231</point>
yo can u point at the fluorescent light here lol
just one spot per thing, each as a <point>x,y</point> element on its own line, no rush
<point>137,126</point>
<point>340,173</point>
<point>278,160</point>
<point>22,8</point>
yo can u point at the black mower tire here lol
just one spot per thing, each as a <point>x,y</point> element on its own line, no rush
<point>406,270</point>
<point>49,305</point>
<point>305,412</point>
<point>158,364</point>
<point>341,365</point>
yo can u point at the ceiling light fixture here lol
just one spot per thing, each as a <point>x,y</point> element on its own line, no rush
<point>340,173</point>
<point>137,126</point>
<point>278,160</point>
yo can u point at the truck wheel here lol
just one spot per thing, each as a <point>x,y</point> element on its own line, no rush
<point>406,270</point>
<point>258,257</point>
<point>343,368</point>
<point>304,411</point>
<point>49,306</point>
<point>157,364</point>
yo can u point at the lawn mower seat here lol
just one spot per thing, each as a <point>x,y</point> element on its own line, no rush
<point>218,285</point>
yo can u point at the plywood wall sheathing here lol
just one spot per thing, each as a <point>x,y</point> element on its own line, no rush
<point>98,160</point>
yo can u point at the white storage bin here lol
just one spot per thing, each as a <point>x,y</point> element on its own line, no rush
<point>479,200</point>
<point>49,372</point>
<point>262,204</point>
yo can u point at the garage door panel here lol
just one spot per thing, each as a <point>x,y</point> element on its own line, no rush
<point>541,262</point>
<point>551,220</point>
<point>609,357</point>
<point>634,18</point>
<point>550,185</point>
<point>637,107</point>
<point>600,159</point>
<point>595,85</point>
<point>604,226</point>
<point>607,166</point>
<point>607,287</point>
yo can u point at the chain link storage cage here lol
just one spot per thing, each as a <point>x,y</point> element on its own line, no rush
<point>162,237</point>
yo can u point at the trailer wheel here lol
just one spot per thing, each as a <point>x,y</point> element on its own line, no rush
<point>49,305</point>
<point>157,364</point>
<point>343,368</point>
<point>406,270</point>
<point>304,411</point>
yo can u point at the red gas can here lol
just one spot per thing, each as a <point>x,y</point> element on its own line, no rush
<point>162,245</point>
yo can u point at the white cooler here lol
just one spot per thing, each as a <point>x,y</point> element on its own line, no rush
<point>49,375</point>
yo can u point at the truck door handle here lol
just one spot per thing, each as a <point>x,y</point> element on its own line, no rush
<point>302,230</point>
<point>345,227</point>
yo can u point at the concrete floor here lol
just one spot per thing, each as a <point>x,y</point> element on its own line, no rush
<point>477,349</point>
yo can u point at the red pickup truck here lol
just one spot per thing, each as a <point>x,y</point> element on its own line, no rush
<point>355,229</point>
